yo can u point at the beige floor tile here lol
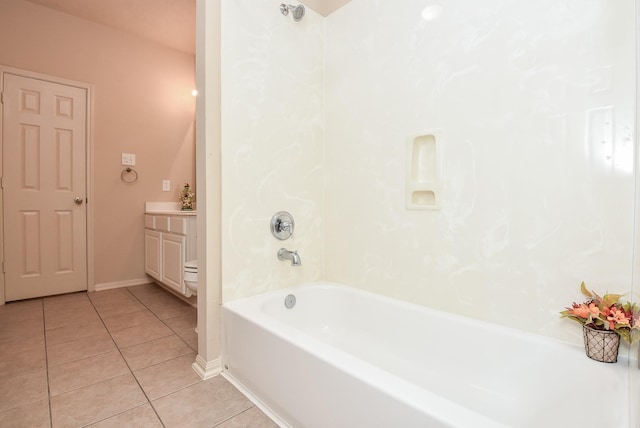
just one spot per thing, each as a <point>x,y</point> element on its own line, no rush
<point>30,415</point>
<point>20,311</point>
<point>88,371</point>
<point>167,377</point>
<point>145,291</point>
<point>159,296</point>
<point>141,333</point>
<point>110,296</point>
<point>190,337</point>
<point>75,301</point>
<point>204,404</point>
<point>96,402</point>
<point>188,320</point>
<point>69,333</point>
<point>21,344</point>
<point>171,310</point>
<point>160,300</point>
<point>21,329</point>
<point>112,309</point>
<point>253,418</point>
<point>21,362</point>
<point>120,322</point>
<point>154,351</point>
<point>78,349</point>
<point>23,389</point>
<point>70,316</point>
<point>140,417</point>
<point>66,299</point>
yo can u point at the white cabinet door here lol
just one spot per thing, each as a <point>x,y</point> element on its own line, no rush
<point>152,255</point>
<point>173,261</point>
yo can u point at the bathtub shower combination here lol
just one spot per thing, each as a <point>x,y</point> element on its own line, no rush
<point>335,356</point>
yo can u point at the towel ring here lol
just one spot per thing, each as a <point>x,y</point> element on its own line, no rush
<point>129,175</point>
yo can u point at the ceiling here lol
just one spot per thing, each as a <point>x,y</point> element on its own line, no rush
<point>170,23</point>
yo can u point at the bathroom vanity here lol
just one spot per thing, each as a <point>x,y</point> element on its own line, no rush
<point>169,241</point>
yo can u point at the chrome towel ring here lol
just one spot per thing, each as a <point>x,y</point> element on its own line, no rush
<point>129,175</point>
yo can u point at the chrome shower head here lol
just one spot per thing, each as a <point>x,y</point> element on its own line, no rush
<point>298,11</point>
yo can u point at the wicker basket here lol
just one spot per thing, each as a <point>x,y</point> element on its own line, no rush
<point>601,345</point>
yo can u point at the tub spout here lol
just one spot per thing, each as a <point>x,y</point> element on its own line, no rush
<point>293,256</point>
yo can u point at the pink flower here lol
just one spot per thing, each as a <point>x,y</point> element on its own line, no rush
<point>617,316</point>
<point>581,310</point>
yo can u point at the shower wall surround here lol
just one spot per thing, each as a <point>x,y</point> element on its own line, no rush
<point>536,102</point>
<point>272,144</point>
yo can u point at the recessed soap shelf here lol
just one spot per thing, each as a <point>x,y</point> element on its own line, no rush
<point>424,171</point>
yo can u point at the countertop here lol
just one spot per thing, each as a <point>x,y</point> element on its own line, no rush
<point>166,208</point>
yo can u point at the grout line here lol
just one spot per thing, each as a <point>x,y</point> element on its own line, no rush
<point>46,363</point>
<point>162,321</point>
<point>89,384</point>
<point>177,335</point>
<point>117,414</point>
<point>127,364</point>
<point>231,417</point>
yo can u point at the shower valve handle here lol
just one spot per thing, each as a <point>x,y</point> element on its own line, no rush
<point>282,225</point>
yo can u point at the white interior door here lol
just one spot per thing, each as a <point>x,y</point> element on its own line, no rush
<point>44,183</point>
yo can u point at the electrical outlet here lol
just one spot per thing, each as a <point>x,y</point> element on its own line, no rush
<point>128,159</point>
<point>166,185</point>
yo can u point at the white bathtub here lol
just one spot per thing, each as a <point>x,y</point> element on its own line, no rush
<point>346,358</point>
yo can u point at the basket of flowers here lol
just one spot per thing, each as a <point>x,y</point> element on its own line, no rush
<point>605,319</point>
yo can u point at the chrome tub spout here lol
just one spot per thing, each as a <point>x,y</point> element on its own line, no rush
<point>293,256</point>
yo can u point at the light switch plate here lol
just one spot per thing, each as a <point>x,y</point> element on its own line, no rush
<point>166,185</point>
<point>128,159</point>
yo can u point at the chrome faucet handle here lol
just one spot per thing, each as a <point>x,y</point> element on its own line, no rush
<point>282,225</point>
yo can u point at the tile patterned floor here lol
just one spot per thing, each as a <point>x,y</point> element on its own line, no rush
<point>116,358</point>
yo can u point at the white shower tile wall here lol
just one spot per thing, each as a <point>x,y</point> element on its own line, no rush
<point>272,144</point>
<point>535,101</point>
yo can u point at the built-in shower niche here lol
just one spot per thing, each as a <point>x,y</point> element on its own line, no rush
<point>424,171</point>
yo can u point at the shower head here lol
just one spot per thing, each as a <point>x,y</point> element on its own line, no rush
<point>297,11</point>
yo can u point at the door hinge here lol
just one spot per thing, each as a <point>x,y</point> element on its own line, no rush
<point>1,97</point>
<point>3,266</point>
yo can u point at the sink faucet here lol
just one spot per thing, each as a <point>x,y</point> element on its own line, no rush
<point>284,254</point>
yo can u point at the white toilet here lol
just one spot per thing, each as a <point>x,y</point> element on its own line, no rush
<point>191,276</point>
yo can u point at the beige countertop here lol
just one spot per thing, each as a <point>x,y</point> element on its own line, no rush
<point>166,208</point>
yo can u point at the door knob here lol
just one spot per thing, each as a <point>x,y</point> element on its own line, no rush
<point>78,200</point>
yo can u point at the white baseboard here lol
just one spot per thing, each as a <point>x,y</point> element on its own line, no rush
<point>255,400</point>
<point>207,369</point>
<point>120,284</point>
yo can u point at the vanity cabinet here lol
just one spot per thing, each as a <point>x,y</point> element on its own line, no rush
<point>170,241</point>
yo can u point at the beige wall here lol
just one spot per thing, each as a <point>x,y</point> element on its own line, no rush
<point>142,104</point>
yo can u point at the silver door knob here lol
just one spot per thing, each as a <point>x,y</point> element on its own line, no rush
<point>78,200</point>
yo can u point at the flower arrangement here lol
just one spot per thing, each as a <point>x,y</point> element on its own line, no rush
<point>607,312</point>
<point>186,197</point>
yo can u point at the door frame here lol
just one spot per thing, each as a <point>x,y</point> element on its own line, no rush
<point>88,162</point>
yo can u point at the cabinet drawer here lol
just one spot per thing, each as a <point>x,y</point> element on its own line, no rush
<point>162,223</point>
<point>149,221</point>
<point>178,225</point>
